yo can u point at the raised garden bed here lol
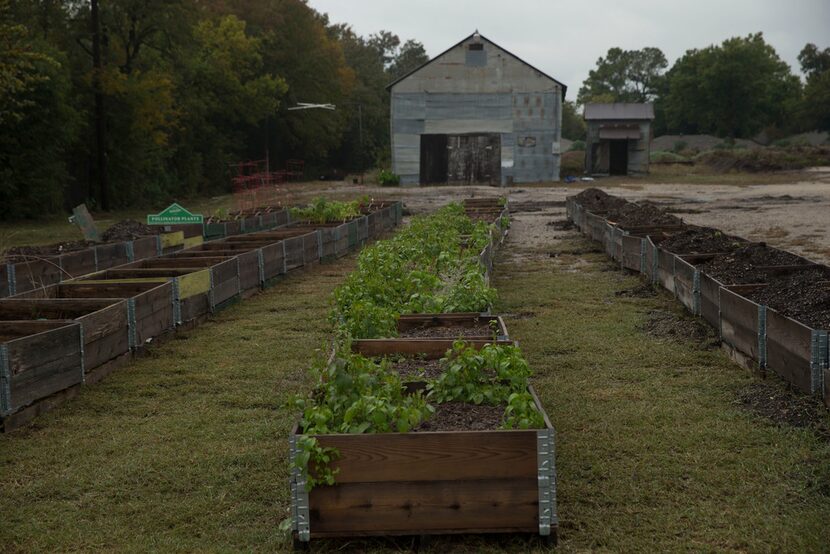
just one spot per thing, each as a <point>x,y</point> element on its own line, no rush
<point>453,325</point>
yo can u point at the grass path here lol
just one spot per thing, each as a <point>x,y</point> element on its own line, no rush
<point>653,454</point>
<point>185,449</point>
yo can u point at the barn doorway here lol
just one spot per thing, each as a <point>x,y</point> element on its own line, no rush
<point>461,159</point>
<point>618,157</point>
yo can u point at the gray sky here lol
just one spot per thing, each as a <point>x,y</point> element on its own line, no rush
<point>564,39</point>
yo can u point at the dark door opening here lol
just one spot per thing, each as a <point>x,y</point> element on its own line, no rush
<point>474,159</point>
<point>434,159</point>
<point>618,157</point>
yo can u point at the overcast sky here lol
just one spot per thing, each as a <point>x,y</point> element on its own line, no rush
<point>564,39</point>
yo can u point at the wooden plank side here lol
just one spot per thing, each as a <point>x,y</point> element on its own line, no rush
<point>425,506</point>
<point>169,240</point>
<point>249,270</point>
<point>789,350</point>
<point>665,269</point>
<point>428,348</point>
<point>112,255</point>
<point>739,322</point>
<point>75,264</point>
<point>710,299</point>
<point>194,307</point>
<point>145,247</point>
<point>36,273</point>
<point>273,260</point>
<point>294,253</point>
<point>468,455</point>
<point>631,252</point>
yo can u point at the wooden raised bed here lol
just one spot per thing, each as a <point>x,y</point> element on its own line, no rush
<point>430,349</point>
<point>461,319</point>
<point>37,359</point>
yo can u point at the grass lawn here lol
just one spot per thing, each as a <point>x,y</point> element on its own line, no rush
<point>186,449</point>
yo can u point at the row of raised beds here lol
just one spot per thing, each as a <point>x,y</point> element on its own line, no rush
<point>55,338</point>
<point>771,307</point>
<point>423,421</point>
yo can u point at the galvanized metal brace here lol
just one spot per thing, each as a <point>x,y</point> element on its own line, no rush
<point>284,259</point>
<point>546,464</point>
<point>320,243</point>
<point>696,292</point>
<point>300,517</point>
<point>131,324</point>
<point>5,381</point>
<point>654,265</point>
<point>211,302</point>
<point>260,258</point>
<point>177,304</point>
<point>818,360</point>
<point>12,277</point>
<point>762,336</point>
<point>81,339</point>
<point>95,253</point>
<point>238,277</point>
<point>159,247</point>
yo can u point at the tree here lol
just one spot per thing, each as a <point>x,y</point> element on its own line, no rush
<point>573,126</point>
<point>625,76</point>
<point>815,104</point>
<point>411,56</point>
<point>732,90</point>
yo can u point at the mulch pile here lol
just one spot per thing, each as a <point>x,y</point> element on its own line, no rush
<point>641,214</point>
<point>741,266</point>
<point>450,331</point>
<point>701,240</point>
<point>460,416</point>
<point>802,295</point>
<point>129,229</point>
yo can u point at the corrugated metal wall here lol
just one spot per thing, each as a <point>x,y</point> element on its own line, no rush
<point>505,96</point>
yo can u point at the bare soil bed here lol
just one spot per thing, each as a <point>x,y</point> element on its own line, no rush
<point>462,416</point>
<point>641,214</point>
<point>803,296</point>
<point>701,240</point>
<point>742,266</point>
<point>449,331</point>
<point>417,369</point>
<point>124,230</point>
<point>597,200</point>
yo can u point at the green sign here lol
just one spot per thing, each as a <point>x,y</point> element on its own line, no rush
<point>174,215</point>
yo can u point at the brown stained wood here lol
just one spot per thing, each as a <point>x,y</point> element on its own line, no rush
<point>174,263</point>
<point>235,247</point>
<point>665,269</point>
<point>153,300</point>
<point>194,307</point>
<point>684,280</point>
<point>35,357</point>
<point>650,259</point>
<point>223,292</point>
<point>105,348</point>
<point>249,270</point>
<point>193,253</point>
<point>425,506</point>
<point>739,321</point>
<point>272,260</point>
<point>631,252</point>
<point>103,322</point>
<point>26,415</point>
<point>789,350</point>
<point>51,308</point>
<point>434,456</point>
<point>75,264</point>
<point>12,330</point>
<point>4,279</point>
<point>32,274</point>
<point>430,349</point>
<point>145,247</point>
<point>710,299</point>
<point>140,273</point>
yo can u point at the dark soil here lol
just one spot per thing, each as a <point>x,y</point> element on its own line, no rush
<point>666,325</point>
<point>129,229</point>
<point>641,214</point>
<point>562,225</point>
<point>461,416</point>
<point>450,331</point>
<point>701,240</point>
<point>785,407</point>
<point>416,369</point>
<point>529,207</point>
<point>803,295</point>
<point>643,290</point>
<point>741,266</point>
<point>49,249</point>
<point>597,200</point>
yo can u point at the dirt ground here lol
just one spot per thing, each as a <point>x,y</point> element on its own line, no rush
<point>793,215</point>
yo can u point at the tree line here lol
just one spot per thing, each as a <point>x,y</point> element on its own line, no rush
<point>736,89</point>
<point>130,102</point>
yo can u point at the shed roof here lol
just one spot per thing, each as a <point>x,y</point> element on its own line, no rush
<point>482,37</point>
<point>619,110</point>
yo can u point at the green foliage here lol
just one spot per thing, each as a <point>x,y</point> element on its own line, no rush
<point>659,156</point>
<point>314,461</point>
<point>625,76</point>
<point>322,210</point>
<point>521,412</point>
<point>486,376</point>
<point>422,269</point>
<point>577,145</point>
<point>573,125</point>
<point>388,179</point>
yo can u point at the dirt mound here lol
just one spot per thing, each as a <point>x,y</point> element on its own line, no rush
<point>666,325</point>
<point>741,266</point>
<point>803,296</point>
<point>597,200</point>
<point>128,229</point>
<point>641,214</point>
<point>785,407</point>
<point>461,416</point>
<point>766,159</point>
<point>701,240</point>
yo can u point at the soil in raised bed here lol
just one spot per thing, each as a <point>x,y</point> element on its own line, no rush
<point>597,200</point>
<point>462,416</point>
<point>417,369</point>
<point>129,229</point>
<point>640,215</point>
<point>741,266</point>
<point>803,296</point>
<point>701,240</point>
<point>48,249</point>
<point>450,331</point>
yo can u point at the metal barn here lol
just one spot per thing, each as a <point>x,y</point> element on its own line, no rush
<point>618,140</point>
<point>476,114</point>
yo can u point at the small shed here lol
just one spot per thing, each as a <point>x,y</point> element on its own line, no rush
<point>618,140</point>
<point>476,114</point>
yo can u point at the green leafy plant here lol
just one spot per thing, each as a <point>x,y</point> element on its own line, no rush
<point>521,412</point>
<point>322,210</point>
<point>388,179</point>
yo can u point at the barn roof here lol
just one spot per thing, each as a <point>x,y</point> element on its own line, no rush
<point>482,37</point>
<point>619,110</point>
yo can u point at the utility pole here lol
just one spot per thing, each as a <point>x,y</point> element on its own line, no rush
<point>101,177</point>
